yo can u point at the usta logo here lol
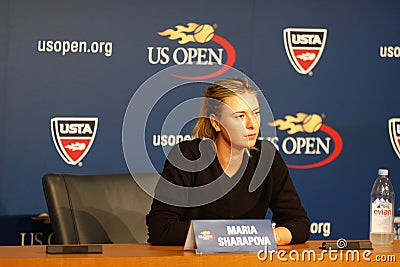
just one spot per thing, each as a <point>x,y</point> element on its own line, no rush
<point>394,134</point>
<point>304,47</point>
<point>73,137</point>
<point>73,128</point>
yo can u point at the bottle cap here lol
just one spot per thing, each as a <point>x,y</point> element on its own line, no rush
<point>383,172</point>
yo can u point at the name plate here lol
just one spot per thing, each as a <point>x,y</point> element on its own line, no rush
<point>230,236</point>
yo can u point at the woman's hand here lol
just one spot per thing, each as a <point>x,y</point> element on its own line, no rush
<point>282,235</point>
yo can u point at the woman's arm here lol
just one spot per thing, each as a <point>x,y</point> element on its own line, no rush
<point>293,224</point>
<point>165,224</point>
<point>166,221</point>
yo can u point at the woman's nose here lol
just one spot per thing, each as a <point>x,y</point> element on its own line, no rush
<point>252,120</point>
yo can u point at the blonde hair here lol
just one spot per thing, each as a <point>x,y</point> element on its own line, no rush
<point>212,103</point>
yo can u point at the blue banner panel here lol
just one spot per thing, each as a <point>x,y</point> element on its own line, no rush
<point>25,230</point>
<point>329,72</point>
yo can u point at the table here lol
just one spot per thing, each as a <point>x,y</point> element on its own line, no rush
<point>123,255</point>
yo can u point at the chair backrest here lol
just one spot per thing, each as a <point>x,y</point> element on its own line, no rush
<point>97,208</point>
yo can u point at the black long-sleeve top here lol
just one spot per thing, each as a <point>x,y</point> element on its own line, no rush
<point>264,170</point>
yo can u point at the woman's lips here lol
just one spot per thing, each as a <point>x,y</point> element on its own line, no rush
<point>251,136</point>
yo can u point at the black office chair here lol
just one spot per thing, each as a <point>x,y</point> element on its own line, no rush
<point>97,209</point>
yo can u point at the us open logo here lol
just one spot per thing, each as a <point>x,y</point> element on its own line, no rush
<point>308,142</point>
<point>73,137</point>
<point>198,45</point>
<point>304,47</point>
<point>206,235</point>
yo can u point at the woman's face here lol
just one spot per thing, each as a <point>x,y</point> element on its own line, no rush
<point>239,121</point>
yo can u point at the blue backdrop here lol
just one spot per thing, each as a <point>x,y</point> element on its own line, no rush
<point>86,59</point>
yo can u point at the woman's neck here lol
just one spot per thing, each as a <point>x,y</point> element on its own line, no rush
<point>229,157</point>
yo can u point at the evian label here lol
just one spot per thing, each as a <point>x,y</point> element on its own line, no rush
<point>381,216</point>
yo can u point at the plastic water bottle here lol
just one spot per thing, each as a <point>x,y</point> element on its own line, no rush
<point>382,210</point>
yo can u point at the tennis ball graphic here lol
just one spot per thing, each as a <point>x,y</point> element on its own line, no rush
<point>312,123</point>
<point>203,33</point>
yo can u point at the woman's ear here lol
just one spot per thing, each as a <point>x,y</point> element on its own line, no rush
<point>215,123</point>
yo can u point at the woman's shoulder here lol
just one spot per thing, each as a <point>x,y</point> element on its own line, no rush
<point>266,152</point>
<point>189,143</point>
<point>269,154</point>
<point>191,148</point>
<point>265,144</point>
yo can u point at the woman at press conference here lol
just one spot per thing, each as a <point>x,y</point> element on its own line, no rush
<point>225,172</point>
